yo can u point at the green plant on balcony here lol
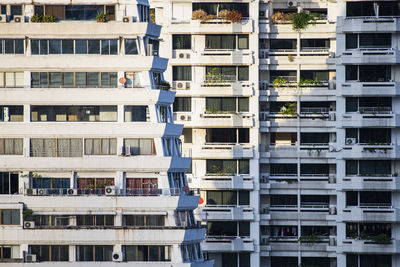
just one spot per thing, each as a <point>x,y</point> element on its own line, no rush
<point>290,58</point>
<point>101,17</point>
<point>153,15</point>
<point>289,109</point>
<point>301,20</point>
<point>27,214</point>
<point>279,82</point>
<point>219,171</point>
<point>312,238</point>
<point>41,18</point>
<point>381,239</point>
<point>215,76</point>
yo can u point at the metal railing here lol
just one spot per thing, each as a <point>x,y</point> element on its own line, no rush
<point>314,110</point>
<point>381,110</point>
<point>115,192</point>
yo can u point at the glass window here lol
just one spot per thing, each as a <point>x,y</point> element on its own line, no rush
<point>131,47</point>
<point>34,47</point>
<point>94,46</point>
<point>183,104</point>
<point>81,47</point>
<point>54,46</point>
<point>351,73</point>
<point>43,47</point>
<point>10,216</point>
<point>67,46</point>
<point>181,41</point>
<point>182,73</point>
<point>82,12</point>
<point>243,104</point>
<point>243,41</point>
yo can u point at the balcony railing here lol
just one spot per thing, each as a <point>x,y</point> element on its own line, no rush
<point>114,192</point>
<point>313,110</point>
<point>380,110</point>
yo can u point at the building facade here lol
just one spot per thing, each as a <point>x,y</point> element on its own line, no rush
<point>91,172</point>
<point>290,117</point>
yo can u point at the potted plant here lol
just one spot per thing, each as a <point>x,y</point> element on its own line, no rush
<point>101,17</point>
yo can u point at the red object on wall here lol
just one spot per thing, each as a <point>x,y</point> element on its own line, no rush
<point>201,201</point>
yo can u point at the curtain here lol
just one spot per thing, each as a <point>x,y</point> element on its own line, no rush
<point>80,79</point>
<point>182,73</point>
<point>146,146</point>
<point>76,147</point>
<point>134,146</point>
<point>64,147</point>
<point>243,41</point>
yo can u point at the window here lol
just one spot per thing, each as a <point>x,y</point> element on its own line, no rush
<point>181,41</point>
<point>227,41</point>
<point>3,9</point>
<point>144,13</point>
<point>52,183</point>
<point>136,113</point>
<point>16,10</point>
<point>283,44</point>
<point>142,186</point>
<point>73,79</point>
<point>11,113</point>
<point>182,73</point>
<point>147,253</point>
<point>8,183</point>
<point>11,146</point>
<point>368,167</point>
<point>109,47</point>
<point>278,169</point>
<point>94,253</point>
<point>309,44</point>
<point>191,252</point>
<point>131,47</point>
<point>100,146</point>
<point>227,197</point>
<point>50,253</point>
<point>95,220</point>
<point>212,8</point>
<point>228,104</point>
<point>140,146</point>
<point>10,217</point>
<point>132,80</point>
<point>11,79</point>
<point>51,220</point>
<point>228,167</point>
<point>183,104</point>
<point>9,252</point>
<point>11,46</point>
<point>144,220</point>
<point>67,147</point>
<point>73,113</point>
<point>94,185</point>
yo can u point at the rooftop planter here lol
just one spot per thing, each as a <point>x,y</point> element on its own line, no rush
<point>299,21</point>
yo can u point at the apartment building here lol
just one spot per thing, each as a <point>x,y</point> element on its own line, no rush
<point>91,172</point>
<point>304,94</point>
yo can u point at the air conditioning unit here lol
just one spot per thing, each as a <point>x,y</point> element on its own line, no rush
<point>261,14</point>
<point>110,190</point>
<point>3,18</point>
<point>350,141</point>
<point>332,54</point>
<point>117,256</point>
<point>31,192</point>
<point>181,55</point>
<point>180,85</point>
<point>19,19</point>
<point>187,85</point>
<point>185,118</point>
<point>29,224</point>
<point>42,192</point>
<point>30,258</point>
<point>127,150</point>
<point>72,192</point>
<point>126,19</point>
<point>291,3</point>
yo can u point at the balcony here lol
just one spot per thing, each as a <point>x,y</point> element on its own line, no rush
<point>219,212</point>
<point>212,26</point>
<point>373,212</point>
<point>370,183</point>
<point>228,244</point>
<point>225,120</point>
<point>234,88</point>
<point>368,24</point>
<point>223,182</point>
<point>371,151</point>
<point>367,246</point>
<point>293,243</point>
<point>213,56</point>
<point>370,56</point>
<point>371,88</point>
<point>222,150</point>
<point>70,28</point>
<point>370,120</point>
